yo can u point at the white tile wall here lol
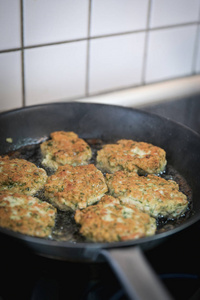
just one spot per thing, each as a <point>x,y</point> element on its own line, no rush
<point>10,80</point>
<point>170,53</point>
<point>116,62</point>
<point>10,35</point>
<point>55,72</point>
<point>114,16</point>
<point>47,21</point>
<point>172,12</point>
<point>61,50</point>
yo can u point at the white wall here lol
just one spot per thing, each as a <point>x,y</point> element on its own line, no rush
<point>70,49</point>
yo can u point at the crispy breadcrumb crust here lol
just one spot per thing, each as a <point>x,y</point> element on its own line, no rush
<point>131,156</point>
<point>110,221</point>
<point>19,175</point>
<point>65,148</point>
<point>75,187</point>
<point>26,214</point>
<point>152,194</point>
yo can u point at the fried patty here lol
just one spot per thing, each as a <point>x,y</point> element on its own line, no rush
<point>75,187</point>
<point>110,221</point>
<point>152,194</point>
<point>19,175</point>
<point>65,148</point>
<point>26,214</point>
<point>131,156</point>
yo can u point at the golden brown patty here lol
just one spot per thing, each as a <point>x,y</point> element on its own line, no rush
<point>19,175</point>
<point>26,214</point>
<point>65,148</point>
<point>75,187</point>
<point>110,221</point>
<point>131,156</point>
<point>152,194</point>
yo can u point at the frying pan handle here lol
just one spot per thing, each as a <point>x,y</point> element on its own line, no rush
<point>135,274</point>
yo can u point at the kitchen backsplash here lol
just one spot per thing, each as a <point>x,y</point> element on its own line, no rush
<point>70,49</point>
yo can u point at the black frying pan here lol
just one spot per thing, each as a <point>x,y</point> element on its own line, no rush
<point>33,124</point>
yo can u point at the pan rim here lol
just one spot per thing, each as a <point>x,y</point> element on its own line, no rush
<point>32,107</point>
<point>104,245</point>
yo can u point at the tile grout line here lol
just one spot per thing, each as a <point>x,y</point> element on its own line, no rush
<point>22,54</point>
<point>146,44</point>
<point>195,51</point>
<point>88,51</point>
<point>98,37</point>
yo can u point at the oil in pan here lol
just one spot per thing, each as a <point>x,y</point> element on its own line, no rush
<point>65,228</point>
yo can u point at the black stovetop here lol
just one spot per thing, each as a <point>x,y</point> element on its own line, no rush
<point>176,261</point>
